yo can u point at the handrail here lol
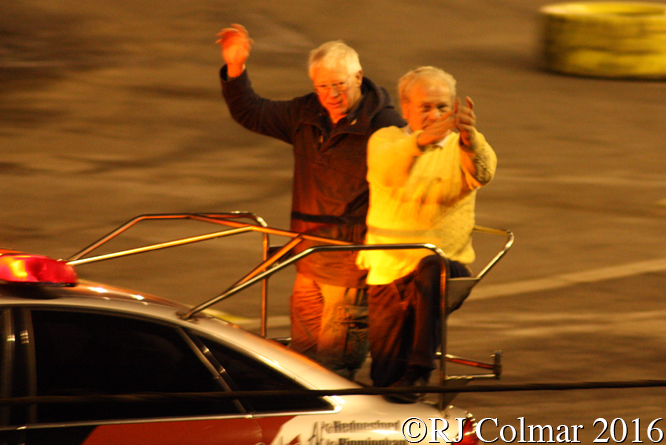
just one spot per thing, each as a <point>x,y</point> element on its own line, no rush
<point>257,274</point>
<point>500,254</point>
<point>456,289</point>
<point>208,217</point>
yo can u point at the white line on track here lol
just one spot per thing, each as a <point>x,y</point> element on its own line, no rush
<point>570,279</point>
<point>646,181</point>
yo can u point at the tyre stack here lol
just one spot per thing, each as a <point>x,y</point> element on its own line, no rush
<point>607,39</point>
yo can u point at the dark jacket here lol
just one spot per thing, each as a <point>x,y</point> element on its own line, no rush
<point>330,190</point>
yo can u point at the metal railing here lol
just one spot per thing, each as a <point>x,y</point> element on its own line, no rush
<point>275,259</point>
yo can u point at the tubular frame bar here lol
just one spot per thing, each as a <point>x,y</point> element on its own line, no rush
<point>260,272</point>
<point>500,254</point>
<point>272,264</point>
<point>216,218</point>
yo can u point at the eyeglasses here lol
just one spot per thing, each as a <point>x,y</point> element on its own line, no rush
<point>339,87</point>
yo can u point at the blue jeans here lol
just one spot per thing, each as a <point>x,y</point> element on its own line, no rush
<point>330,325</point>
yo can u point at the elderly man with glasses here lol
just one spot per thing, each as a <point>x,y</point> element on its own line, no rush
<point>329,130</point>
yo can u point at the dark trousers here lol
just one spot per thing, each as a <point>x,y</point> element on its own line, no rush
<point>404,320</point>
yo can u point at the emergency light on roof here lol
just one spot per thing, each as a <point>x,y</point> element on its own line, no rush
<point>36,269</point>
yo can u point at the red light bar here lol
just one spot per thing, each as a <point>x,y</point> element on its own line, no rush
<point>36,269</point>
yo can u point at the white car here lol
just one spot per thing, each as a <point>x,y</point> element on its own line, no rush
<point>85,363</point>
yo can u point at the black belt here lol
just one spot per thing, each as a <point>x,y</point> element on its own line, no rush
<point>328,219</point>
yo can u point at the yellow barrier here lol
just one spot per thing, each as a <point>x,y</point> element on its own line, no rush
<point>606,39</point>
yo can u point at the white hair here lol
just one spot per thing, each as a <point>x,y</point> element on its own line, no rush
<point>331,55</point>
<point>407,81</point>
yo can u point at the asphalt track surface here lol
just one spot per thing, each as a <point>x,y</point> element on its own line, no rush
<point>111,109</point>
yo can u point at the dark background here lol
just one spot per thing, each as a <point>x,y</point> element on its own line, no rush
<point>111,109</point>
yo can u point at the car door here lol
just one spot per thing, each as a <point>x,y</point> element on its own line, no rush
<point>88,354</point>
<point>245,371</point>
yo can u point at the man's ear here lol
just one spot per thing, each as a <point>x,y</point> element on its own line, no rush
<point>404,106</point>
<point>359,77</point>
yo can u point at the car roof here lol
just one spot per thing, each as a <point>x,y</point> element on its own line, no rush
<point>83,293</point>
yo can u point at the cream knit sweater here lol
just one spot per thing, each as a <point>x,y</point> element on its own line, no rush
<point>421,197</point>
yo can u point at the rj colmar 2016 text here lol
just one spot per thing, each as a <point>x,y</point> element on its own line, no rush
<point>491,430</point>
